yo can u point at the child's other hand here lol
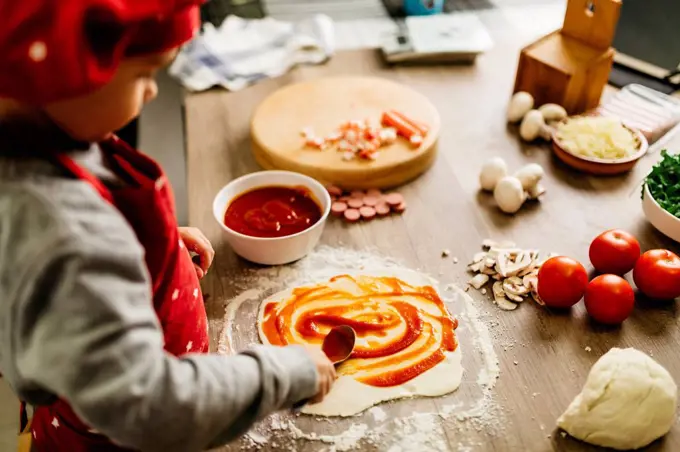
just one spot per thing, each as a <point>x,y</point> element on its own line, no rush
<point>326,371</point>
<point>197,242</point>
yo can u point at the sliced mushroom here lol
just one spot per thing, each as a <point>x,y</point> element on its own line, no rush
<point>532,266</point>
<point>490,262</point>
<point>488,243</point>
<point>526,271</point>
<point>487,270</point>
<point>510,264</point>
<point>515,298</point>
<point>514,286</point>
<point>479,280</point>
<point>537,297</point>
<point>505,304</point>
<point>530,281</point>
<point>476,267</point>
<point>497,289</point>
<point>479,257</point>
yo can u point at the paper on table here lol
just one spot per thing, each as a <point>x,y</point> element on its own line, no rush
<point>444,37</point>
<point>459,32</point>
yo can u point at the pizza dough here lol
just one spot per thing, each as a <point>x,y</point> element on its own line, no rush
<point>628,401</point>
<point>350,396</point>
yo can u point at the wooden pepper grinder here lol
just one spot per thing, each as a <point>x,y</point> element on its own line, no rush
<point>570,67</point>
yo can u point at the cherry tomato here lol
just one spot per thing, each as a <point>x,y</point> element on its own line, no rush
<point>657,274</point>
<point>614,251</point>
<point>561,282</point>
<point>609,299</point>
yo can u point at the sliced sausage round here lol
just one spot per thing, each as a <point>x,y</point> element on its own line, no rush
<point>355,203</point>
<point>367,212</point>
<point>338,208</point>
<point>352,215</point>
<point>393,199</point>
<point>382,209</point>
<point>371,201</point>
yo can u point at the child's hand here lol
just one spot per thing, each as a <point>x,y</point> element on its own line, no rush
<point>326,371</point>
<point>195,241</point>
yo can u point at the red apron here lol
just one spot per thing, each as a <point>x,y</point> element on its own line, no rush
<point>147,204</point>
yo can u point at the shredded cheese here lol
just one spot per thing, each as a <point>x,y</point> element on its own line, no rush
<point>597,137</point>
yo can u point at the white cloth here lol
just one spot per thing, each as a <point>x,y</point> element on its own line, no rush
<point>241,52</point>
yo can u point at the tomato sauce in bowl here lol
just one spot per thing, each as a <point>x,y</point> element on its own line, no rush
<point>273,211</point>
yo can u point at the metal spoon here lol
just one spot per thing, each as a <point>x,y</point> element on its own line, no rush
<point>338,345</point>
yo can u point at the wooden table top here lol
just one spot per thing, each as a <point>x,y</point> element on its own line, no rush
<point>548,363</point>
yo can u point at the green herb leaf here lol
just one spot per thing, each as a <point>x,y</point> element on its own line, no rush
<point>664,183</point>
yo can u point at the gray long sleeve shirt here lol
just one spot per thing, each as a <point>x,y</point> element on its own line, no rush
<point>77,322</point>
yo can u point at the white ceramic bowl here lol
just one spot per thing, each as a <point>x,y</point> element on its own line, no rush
<point>666,223</point>
<point>275,250</point>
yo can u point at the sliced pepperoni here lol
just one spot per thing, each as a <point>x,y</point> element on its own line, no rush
<point>367,212</point>
<point>357,194</point>
<point>352,215</point>
<point>338,208</point>
<point>355,203</point>
<point>394,199</point>
<point>334,190</point>
<point>344,198</point>
<point>382,209</point>
<point>371,201</point>
<point>400,208</point>
<point>374,192</point>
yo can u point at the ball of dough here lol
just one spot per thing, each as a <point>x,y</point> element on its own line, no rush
<point>628,401</point>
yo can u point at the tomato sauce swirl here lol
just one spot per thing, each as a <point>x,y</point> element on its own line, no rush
<point>402,330</point>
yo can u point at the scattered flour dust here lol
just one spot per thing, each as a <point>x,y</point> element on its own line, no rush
<point>376,428</point>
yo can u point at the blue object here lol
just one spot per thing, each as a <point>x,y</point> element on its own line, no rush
<point>423,7</point>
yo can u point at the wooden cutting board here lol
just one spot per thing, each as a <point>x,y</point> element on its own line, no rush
<point>323,104</point>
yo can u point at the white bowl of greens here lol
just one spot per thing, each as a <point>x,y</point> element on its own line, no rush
<point>661,196</point>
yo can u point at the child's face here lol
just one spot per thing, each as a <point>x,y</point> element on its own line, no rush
<point>93,117</point>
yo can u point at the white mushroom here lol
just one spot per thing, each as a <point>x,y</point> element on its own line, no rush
<point>492,171</point>
<point>530,175</point>
<point>509,194</point>
<point>532,126</point>
<point>553,112</point>
<point>536,191</point>
<point>520,103</point>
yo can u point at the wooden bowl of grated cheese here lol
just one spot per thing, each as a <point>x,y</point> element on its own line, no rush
<point>598,145</point>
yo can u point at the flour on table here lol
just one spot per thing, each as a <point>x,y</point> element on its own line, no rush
<point>378,413</point>
<point>419,430</point>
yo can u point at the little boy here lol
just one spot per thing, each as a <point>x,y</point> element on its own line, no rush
<point>102,323</point>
